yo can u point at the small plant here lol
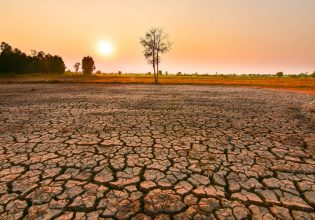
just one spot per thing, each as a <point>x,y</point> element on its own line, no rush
<point>279,74</point>
<point>119,72</point>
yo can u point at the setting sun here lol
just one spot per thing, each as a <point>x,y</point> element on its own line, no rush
<point>106,48</point>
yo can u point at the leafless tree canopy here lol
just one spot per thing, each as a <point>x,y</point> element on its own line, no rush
<point>155,43</point>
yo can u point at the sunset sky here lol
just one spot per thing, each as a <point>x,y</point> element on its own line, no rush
<point>224,36</point>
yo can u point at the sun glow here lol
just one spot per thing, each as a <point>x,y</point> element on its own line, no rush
<point>106,48</point>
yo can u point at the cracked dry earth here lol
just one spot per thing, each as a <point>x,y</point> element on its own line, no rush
<point>71,151</point>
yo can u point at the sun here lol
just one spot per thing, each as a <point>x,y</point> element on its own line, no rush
<point>106,48</point>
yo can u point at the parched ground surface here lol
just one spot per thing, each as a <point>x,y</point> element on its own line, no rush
<point>70,151</point>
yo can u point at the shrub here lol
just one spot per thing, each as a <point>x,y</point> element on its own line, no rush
<point>119,72</point>
<point>279,74</point>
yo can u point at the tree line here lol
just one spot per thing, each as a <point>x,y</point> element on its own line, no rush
<point>16,61</point>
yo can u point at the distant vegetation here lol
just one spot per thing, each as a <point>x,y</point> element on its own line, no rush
<point>88,65</point>
<point>279,74</point>
<point>302,82</point>
<point>16,61</point>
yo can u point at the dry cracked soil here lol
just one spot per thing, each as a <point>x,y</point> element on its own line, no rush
<point>72,151</point>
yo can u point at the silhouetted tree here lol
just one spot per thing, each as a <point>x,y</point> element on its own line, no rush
<point>15,61</point>
<point>8,58</point>
<point>33,53</point>
<point>155,43</point>
<point>77,67</point>
<point>54,64</point>
<point>5,48</point>
<point>279,74</point>
<point>88,65</point>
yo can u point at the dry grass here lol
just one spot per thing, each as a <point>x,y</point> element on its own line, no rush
<point>297,84</point>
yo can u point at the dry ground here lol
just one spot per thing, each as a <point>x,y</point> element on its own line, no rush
<point>73,151</point>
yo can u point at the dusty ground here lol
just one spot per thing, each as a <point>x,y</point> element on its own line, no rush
<point>304,85</point>
<point>134,151</point>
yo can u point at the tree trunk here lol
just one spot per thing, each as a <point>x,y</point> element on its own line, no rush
<point>154,61</point>
<point>154,71</point>
<point>157,68</point>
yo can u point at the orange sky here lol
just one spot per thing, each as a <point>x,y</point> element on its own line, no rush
<point>224,36</point>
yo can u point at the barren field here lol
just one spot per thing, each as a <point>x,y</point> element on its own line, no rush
<point>297,84</point>
<point>92,151</point>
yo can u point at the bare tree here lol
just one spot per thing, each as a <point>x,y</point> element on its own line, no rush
<point>155,43</point>
<point>77,67</point>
